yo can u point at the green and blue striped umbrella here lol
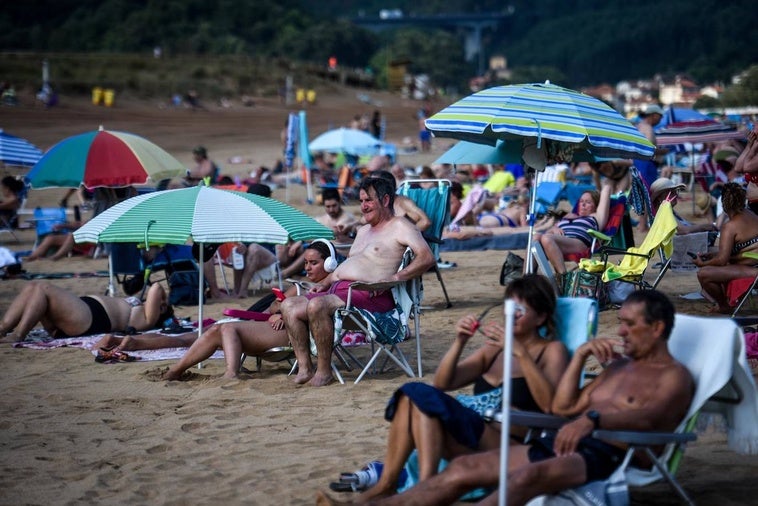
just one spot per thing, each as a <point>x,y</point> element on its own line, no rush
<point>204,215</point>
<point>552,124</point>
<point>563,120</point>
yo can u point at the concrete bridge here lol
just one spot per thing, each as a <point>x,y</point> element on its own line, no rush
<point>473,24</point>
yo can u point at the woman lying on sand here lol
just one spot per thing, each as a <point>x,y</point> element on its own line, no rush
<point>64,314</point>
<point>250,337</point>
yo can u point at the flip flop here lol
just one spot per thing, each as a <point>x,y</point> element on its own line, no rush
<point>112,356</point>
<point>339,486</point>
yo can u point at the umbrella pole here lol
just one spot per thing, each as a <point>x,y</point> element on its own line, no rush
<point>692,181</point>
<point>200,290</point>
<point>287,186</point>
<point>531,217</point>
<point>308,185</point>
<point>111,285</point>
<point>510,310</point>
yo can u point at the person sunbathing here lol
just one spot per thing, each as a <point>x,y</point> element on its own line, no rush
<point>513,215</point>
<point>61,238</point>
<point>737,236</point>
<point>571,234</point>
<point>64,314</point>
<point>665,190</point>
<point>467,232</point>
<point>250,337</point>
<point>437,425</point>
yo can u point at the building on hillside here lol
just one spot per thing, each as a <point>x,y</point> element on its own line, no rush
<point>679,91</point>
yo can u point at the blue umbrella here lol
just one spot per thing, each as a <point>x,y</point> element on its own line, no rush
<point>17,151</point>
<point>678,114</point>
<point>346,140</point>
<point>471,152</point>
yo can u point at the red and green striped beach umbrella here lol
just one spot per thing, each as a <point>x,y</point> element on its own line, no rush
<point>104,158</point>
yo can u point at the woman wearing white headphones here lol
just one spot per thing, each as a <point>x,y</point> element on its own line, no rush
<point>330,263</point>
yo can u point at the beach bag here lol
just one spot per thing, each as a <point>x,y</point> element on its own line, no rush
<point>618,291</point>
<point>133,284</point>
<point>580,283</point>
<point>513,268</point>
<point>183,287</point>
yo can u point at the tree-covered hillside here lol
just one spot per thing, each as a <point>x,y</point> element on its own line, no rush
<point>587,41</point>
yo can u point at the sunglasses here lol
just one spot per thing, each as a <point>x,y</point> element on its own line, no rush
<point>519,311</point>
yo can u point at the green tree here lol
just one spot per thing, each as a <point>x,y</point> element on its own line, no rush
<point>745,92</point>
<point>707,102</point>
<point>436,53</point>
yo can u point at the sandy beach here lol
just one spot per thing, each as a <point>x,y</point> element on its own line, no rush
<point>78,432</point>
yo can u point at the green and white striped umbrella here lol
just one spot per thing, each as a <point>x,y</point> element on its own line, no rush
<point>204,215</point>
<point>562,120</point>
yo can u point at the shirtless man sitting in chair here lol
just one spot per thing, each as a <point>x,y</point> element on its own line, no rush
<point>375,256</point>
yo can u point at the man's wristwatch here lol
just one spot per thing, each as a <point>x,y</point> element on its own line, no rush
<point>595,417</point>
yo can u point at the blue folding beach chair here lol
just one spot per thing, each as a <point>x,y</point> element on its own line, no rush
<point>435,202</point>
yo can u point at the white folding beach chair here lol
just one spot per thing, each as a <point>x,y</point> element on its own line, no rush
<point>713,350</point>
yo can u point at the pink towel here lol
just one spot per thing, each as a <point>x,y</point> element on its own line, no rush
<point>751,345</point>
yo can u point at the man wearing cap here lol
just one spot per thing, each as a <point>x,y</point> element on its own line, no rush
<point>665,189</point>
<point>648,169</point>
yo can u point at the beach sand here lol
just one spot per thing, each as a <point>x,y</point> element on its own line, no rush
<point>77,432</point>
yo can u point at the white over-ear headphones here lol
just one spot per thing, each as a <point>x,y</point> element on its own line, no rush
<point>331,263</point>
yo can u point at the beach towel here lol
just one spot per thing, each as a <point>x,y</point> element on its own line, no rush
<point>496,242</point>
<point>43,342</point>
<point>660,234</point>
<point>62,275</point>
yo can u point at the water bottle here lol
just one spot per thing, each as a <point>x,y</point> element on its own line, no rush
<point>369,476</point>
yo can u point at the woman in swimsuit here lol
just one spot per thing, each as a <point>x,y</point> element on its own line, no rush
<point>64,314</point>
<point>438,426</point>
<point>514,215</point>
<point>737,236</point>
<point>571,235</point>
<point>250,337</point>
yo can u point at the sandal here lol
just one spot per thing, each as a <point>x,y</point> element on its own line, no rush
<point>112,356</point>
